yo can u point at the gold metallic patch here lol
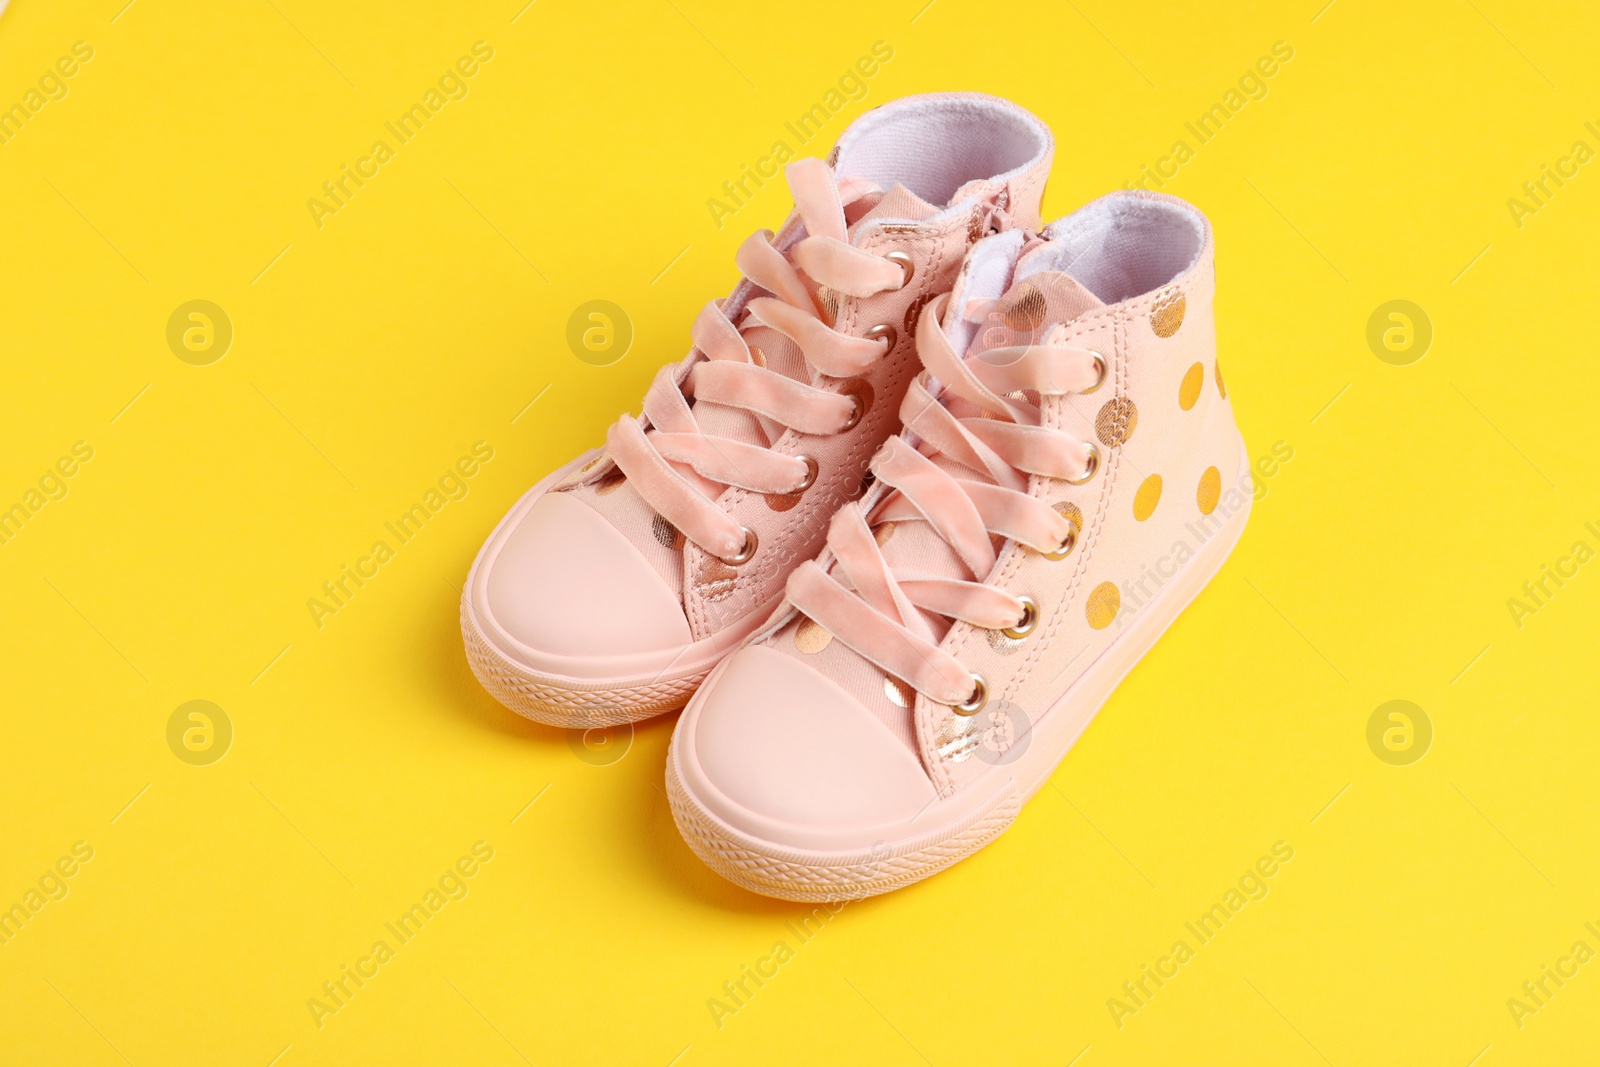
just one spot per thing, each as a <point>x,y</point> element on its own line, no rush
<point>829,300</point>
<point>957,738</point>
<point>1023,308</point>
<point>1167,314</point>
<point>610,482</point>
<point>1116,421</point>
<point>783,501</point>
<point>1209,491</point>
<point>1069,511</point>
<point>811,637</point>
<point>1103,605</point>
<point>1189,388</point>
<point>1001,643</point>
<point>899,693</point>
<point>882,532</point>
<point>666,533</point>
<point>975,226</point>
<point>716,580</point>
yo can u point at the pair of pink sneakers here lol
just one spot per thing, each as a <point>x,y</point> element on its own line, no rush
<point>930,482</point>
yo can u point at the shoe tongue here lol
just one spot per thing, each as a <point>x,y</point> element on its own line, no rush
<point>898,203</point>
<point>1027,309</point>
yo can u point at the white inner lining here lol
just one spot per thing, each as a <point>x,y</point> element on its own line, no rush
<point>1122,246</point>
<point>935,146</point>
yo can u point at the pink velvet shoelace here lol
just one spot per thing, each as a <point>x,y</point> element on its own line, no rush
<point>679,468</point>
<point>978,423</point>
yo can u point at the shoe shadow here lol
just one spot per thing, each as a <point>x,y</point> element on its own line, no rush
<point>633,756</point>
<point>667,863</point>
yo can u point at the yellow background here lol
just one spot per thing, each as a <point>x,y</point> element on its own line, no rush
<point>429,312</point>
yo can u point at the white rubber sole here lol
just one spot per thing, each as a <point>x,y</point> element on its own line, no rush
<point>807,875</point>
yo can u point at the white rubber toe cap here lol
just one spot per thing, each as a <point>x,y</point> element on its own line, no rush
<point>568,583</point>
<point>777,744</point>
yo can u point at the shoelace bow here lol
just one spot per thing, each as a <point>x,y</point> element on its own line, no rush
<point>978,421</point>
<point>679,468</point>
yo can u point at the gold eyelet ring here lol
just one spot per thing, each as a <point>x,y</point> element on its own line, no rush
<point>858,390</point>
<point>1102,369</point>
<point>974,703</point>
<point>746,553</point>
<point>811,474</point>
<point>1067,545</point>
<point>1029,620</point>
<point>907,267</point>
<point>857,409</point>
<point>1090,469</point>
<point>884,331</point>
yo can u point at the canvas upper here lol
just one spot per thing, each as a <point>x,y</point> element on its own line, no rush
<point>613,587</point>
<point>1069,478</point>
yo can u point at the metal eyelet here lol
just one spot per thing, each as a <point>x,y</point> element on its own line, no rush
<point>1102,369</point>
<point>888,333</point>
<point>974,703</point>
<point>1090,469</point>
<point>859,391</point>
<point>907,267</point>
<point>811,474</point>
<point>1028,622</point>
<point>746,553</point>
<point>857,410</point>
<point>1068,543</point>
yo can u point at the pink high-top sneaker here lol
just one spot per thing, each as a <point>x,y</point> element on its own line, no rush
<point>1061,492</point>
<point>617,583</point>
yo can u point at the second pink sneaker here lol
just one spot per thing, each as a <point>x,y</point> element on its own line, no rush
<point>619,581</point>
<point>1070,478</point>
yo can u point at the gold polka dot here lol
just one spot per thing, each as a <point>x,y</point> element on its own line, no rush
<point>716,580</point>
<point>882,532</point>
<point>1116,421</point>
<point>975,227</point>
<point>1148,496</point>
<point>666,533</point>
<point>829,300</point>
<point>899,693</point>
<point>1189,389</point>
<point>1216,371</point>
<point>810,637</point>
<point>1103,605</point>
<point>1210,489</point>
<point>1069,511</point>
<point>1001,643</point>
<point>1167,315</point>
<point>1023,308</point>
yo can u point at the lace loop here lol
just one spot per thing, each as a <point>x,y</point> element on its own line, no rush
<point>970,418</point>
<point>676,465</point>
